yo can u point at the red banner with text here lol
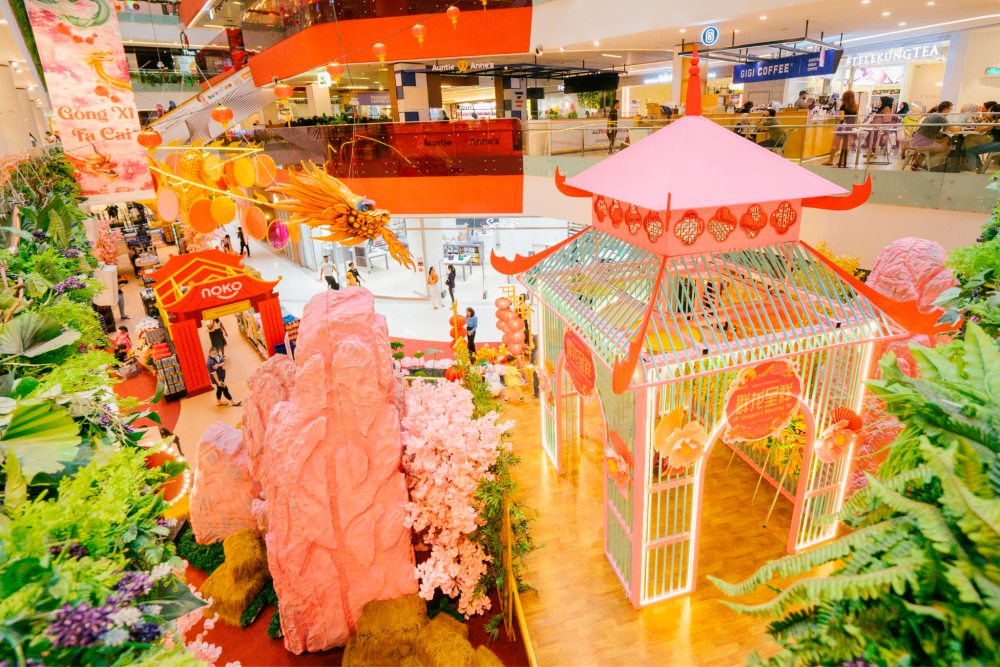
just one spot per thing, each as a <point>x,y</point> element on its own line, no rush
<point>86,73</point>
<point>579,363</point>
<point>762,400</point>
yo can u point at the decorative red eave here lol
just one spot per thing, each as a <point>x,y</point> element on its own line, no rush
<point>519,264</point>
<point>905,313</point>
<point>568,190</point>
<point>621,376</point>
<point>859,195</point>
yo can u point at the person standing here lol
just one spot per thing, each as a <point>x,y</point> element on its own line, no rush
<point>216,364</point>
<point>802,102</point>
<point>328,272</point>
<point>450,281</point>
<point>121,303</point>
<point>133,256</point>
<point>227,244</point>
<point>843,133</point>
<point>354,277</point>
<point>612,127</point>
<point>471,324</point>
<point>123,344</point>
<point>432,287</point>
<point>217,334</point>
<point>244,248</point>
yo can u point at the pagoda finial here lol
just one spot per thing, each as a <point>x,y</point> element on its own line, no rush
<point>693,103</point>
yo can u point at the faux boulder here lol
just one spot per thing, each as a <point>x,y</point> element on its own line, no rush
<point>221,493</point>
<point>269,385</point>
<point>335,495</point>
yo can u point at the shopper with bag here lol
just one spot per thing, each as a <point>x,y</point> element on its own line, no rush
<point>217,373</point>
<point>432,287</point>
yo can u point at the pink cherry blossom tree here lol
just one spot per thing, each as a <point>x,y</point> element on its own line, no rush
<point>445,454</point>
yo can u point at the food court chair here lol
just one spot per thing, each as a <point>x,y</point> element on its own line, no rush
<point>779,146</point>
<point>912,155</point>
<point>988,159</point>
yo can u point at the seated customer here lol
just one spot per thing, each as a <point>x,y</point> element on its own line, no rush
<point>930,135</point>
<point>774,128</point>
<point>992,115</point>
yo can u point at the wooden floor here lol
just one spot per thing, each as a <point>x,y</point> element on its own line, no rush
<point>581,615</point>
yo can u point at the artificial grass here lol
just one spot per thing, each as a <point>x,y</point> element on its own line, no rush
<point>205,557</point>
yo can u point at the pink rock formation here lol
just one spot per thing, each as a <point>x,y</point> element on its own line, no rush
<point>269,385</point>
<point>220,495</point>
<point>909,269</point>
<point>335,494</point>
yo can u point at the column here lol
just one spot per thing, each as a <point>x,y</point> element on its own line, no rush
<point>678,77</point>
<point>190,356</point>
<point>512,98</point>
<point>12,121</point>
<point>28,112</point>
<point>318,100</point>
<point>954,68</point>
<point>411,93</point>
<point>42,121</point>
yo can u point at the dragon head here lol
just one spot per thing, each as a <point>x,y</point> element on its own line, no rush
<point>319,200</point>
<point>94,57</point>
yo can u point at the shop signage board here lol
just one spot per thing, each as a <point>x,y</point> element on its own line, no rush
<point>811,64</point>
<point>893,55</point>
<point>323,80</point>
<point>230,309</point>
<point>462,66</point>
<point>762,400</point>
<point>81,52</point>
<point>579,363</point>
<point>374,99</point>
<point>993,71</point>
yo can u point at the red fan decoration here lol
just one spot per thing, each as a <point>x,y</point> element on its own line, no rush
<point>689,228</point>
<point>653,225</point>
<point>601,209</point>
<point>846,414</point>
<point>753,221</point>
<point>633,219</point>
<point>616,213</point>
<point>783,217</point>
<point>722,224</point>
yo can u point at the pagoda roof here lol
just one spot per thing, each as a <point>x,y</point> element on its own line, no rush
<point>695,163</point>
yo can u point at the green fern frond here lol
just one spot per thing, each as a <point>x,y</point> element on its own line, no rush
<point>932,523</point>
<point>813,589</point>
<point>806,560</point>
<point>968,468</point>
<point>862,499</point>
<point>961,583</point>
<point>979,518</point>
<point>795,624</point>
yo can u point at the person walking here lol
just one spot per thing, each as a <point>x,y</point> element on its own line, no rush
<point>216,364</point>
<point>471,324</point>
<point>133,256</point>
<point>844,131</point>
<point>328,272</point>
<point>217,334</point>
<point>432,287</point>
<point>244,248</point>
<point>450,281</point>
<point>612,127</point>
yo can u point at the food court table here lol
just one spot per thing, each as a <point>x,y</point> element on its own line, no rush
<point>958,149</point>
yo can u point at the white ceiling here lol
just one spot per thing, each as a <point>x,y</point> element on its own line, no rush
<point>27,77</point>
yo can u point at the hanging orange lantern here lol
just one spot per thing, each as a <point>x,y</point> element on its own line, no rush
<point>283,91</point>
<point>335,70</point>
<point>222,114</point>
<point>453,13</point>
<point>379,50</point>
<point>484,4</point>
<point>419,31</point>
<point>149,139</point>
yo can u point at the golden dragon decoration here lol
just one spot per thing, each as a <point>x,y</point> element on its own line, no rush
<point>96,60</point>
<point>97,164</point>
<point>319,200</point>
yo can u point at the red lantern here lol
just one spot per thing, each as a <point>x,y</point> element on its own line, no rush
<point>453,13</point>
<point>222,114</point>
<point>379,50</point>
<point>419,31</point>
<point>506,315</point>
<point>149,139</point>
<point>283,91</point>
<point>516,325</point>
<point>456,320</point>
<point>502,303</point>
<point>461,333</point>
<point>517,348</point>
<point>335,70</point>
<point>454,374</point>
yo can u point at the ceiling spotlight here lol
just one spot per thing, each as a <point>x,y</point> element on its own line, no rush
<point>18,69</point>
<point>865,2</point>
<point>762,18</point>
<point>13,63</point>
<point>562,48</point>
<point>930,3</point>
<point>902,24</point>
<point>683,30</point>
<point>885,13</point>
<point>735,30</point>
<point>596,43</point>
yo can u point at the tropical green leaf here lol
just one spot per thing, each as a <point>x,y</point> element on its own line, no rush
<point>932,365</point>
<point>31,334</point>
<point>48,270</point>
<point>968,468</point>
<point>36,285</point>
<point>43,437</point>
<point>174,598</point>
<point>16,488</point>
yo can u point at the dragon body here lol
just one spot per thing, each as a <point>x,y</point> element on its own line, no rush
<point>79,13</point>
<point>321,201</point>
<point>95,60</point>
